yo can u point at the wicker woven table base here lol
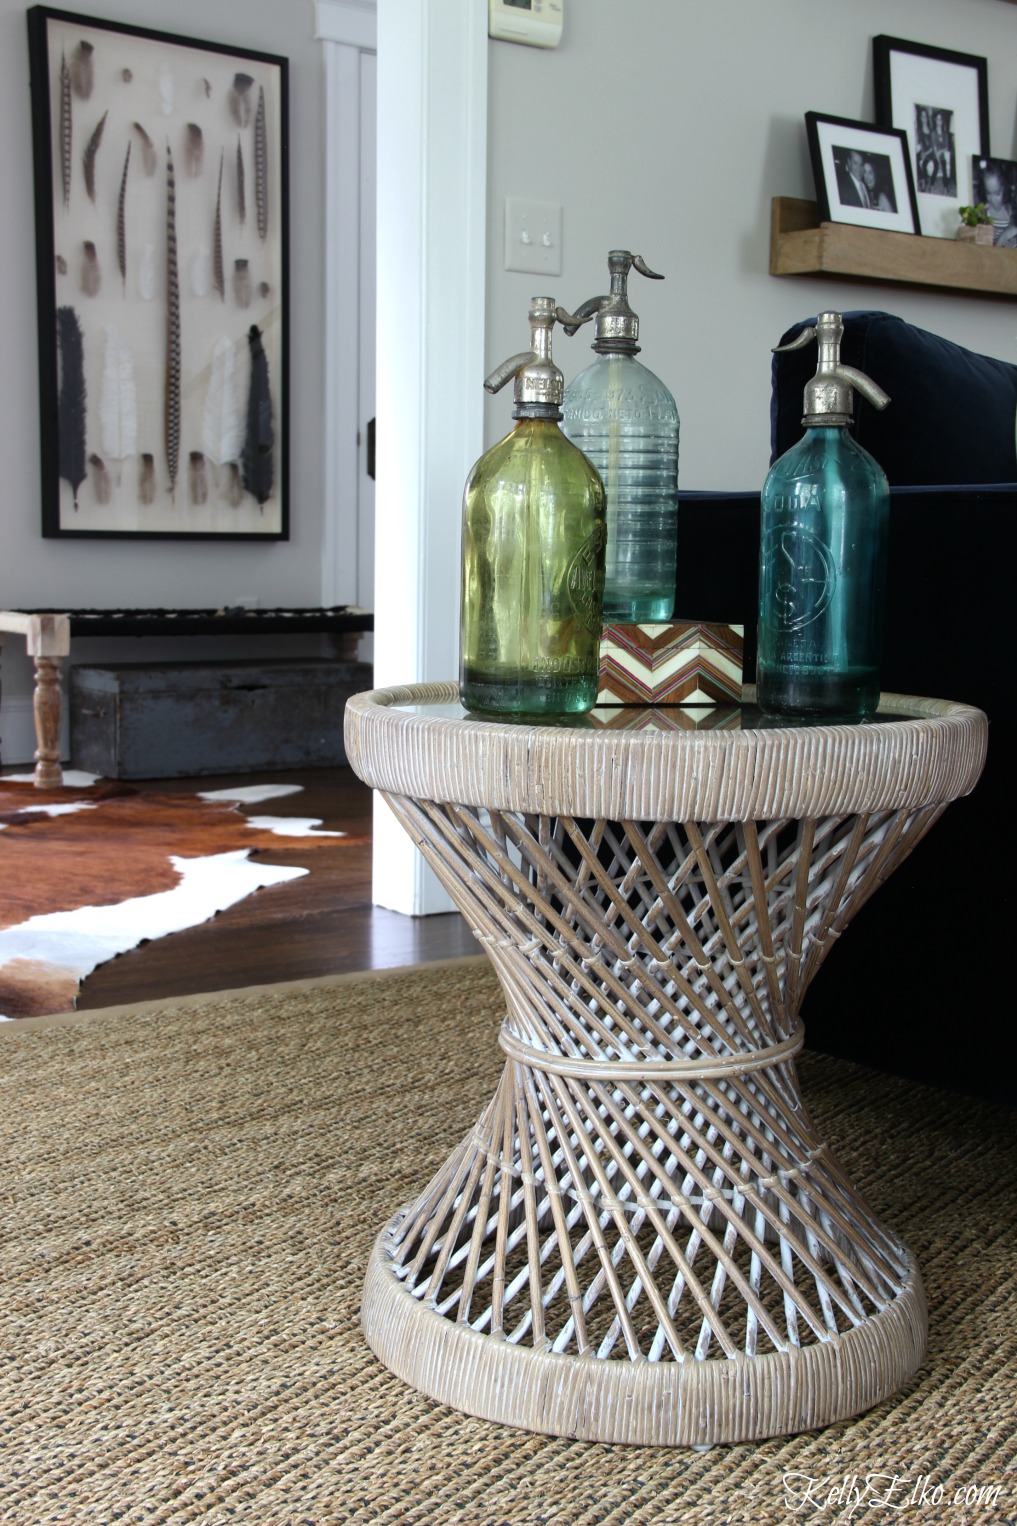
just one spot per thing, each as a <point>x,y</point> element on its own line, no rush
<point>644,1238</point>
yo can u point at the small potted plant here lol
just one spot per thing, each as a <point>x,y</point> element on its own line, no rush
<point>975,225</point>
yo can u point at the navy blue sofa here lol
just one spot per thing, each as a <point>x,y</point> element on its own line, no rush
<point>927,1002</point>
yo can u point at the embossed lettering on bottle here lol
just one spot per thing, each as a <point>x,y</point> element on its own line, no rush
<point>804,575</point>
<point>582,579</point>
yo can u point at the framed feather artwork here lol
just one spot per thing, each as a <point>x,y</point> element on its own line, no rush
<point>162,243</point>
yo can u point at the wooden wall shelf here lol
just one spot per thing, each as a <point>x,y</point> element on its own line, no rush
<point>800,245</point>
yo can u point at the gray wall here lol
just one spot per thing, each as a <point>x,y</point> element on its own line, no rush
<point>665,127</point>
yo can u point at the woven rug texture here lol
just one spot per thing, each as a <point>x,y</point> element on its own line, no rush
<point>189,1195</point>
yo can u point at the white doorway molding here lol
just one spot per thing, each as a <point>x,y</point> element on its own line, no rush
<point>431,231</point>
<point>348,30</point>
<point>432,218</point>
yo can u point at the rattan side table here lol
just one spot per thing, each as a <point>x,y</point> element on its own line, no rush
<point>644,1239</point>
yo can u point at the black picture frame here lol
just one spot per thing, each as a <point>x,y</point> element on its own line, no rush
<point>882,194</point>
<point>994,182</point>
<point>162,247</point>
<point>940,99</point>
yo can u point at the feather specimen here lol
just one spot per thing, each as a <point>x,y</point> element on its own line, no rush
<point>146,273</point>
<point>201,271</point>
<point>222,429</point>
<point>61,265</point>
<point>122,220</point>
<point>261,166</point>
<point>167,91</point>
<point>263,289</point>
<point>194,148</point>
<point>242,283</point>
<point>82,73</point>
<point>118,400</point>
<point>241,184</point>
<point>65,129</point>
<point>197,477</point>
<point>234,489</point>
<point>256,458</point>
<point>71,399</point>
<point>222,421</point>
<point>172,327</point>
<point>89,156</point>
<point>126,76</point>
<point>91,275</point>
<point>240,99</point>
<point>102,487</point>
<point>149,157</point>
<point>146,479</point>
<point>208,89</point>
<point>217,260</point>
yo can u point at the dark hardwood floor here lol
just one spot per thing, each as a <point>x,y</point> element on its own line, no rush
<point>321,924</point>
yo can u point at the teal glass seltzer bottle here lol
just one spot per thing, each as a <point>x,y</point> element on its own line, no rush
<point>533,553</point>
<point>624,418</point>
<point>822,559</point>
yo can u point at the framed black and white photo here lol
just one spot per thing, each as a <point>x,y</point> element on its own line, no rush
<point>862,174</point>
<point>994,182</point>
<point>940,99</point>
<point>161,236</point>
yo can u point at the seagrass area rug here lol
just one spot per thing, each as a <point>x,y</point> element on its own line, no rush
<point>190,1193</point>
<point>94,868</point>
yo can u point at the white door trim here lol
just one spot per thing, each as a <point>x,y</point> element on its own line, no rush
<point>354,22</point>
<point>432,224</point>
<point>432,221</point>
<point>346,29</point>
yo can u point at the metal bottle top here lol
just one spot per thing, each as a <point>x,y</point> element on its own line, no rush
<point>540,386</point>
<point>829,398</point>
<point>616,326</point>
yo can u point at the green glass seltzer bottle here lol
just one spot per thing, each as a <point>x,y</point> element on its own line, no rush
<point>822,556</point>
<point>533,553</point>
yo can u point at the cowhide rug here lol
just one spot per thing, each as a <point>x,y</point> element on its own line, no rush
<point>95,868</point>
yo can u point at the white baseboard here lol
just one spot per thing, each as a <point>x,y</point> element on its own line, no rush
<point>17,730</point>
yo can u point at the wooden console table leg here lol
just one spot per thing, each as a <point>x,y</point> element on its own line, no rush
<point>48,638</point>
<point>48,773</point>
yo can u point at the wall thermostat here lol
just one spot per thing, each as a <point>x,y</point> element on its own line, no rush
<point>537,23</point>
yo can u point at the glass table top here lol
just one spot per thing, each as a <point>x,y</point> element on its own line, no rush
<point>666,718</point>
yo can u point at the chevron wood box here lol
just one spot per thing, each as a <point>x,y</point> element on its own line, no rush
<point>666,718</point>
<point>685,662</point>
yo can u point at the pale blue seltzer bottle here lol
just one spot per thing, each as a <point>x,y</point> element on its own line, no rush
<point>626,421</point>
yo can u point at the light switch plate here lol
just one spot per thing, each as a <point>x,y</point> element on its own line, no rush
<point>532,236</point>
